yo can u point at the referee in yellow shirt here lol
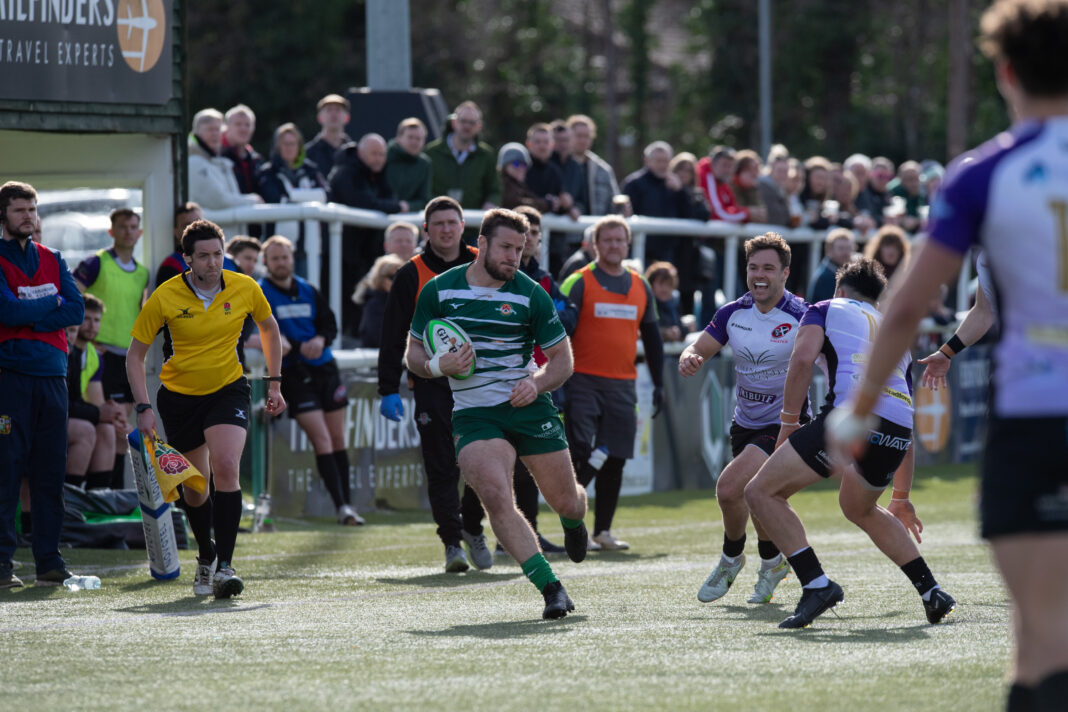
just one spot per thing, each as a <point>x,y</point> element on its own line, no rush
<point>204,400</point>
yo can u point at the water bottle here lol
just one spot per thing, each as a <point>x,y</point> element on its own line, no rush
<point>262,511</point>
<point>79,583</point>
<point>597,457</point>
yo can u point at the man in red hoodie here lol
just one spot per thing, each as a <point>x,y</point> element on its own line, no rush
<point>714,173</point>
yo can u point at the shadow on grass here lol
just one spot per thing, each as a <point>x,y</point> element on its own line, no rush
<point>32,594</point>
<point>505,630</point>
<point>770,612</point>
<point>193,607</point>
<point>827,634</point>
<point>623,555</point>
<point>444,580</point>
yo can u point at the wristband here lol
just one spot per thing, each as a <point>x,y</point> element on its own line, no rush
<point>952,347</point>
<point>795,421</point>
<point>433,366</point>
<point>899,499</point>
<point>142,407</point>
<point>276,379</point>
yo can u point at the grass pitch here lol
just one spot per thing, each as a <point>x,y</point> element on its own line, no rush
<point>342,619</point>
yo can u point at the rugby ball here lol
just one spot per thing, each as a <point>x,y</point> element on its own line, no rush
<point>443,335</point>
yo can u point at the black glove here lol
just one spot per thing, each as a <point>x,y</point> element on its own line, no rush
<point>658,399</point>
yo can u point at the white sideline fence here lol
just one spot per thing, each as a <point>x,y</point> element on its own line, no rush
<point>234,221</point>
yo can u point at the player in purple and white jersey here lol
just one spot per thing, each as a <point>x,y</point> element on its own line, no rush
<point>1011,197</point>
<point>839,331</point>
<point>760,328</point>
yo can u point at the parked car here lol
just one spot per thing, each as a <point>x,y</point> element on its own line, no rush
<point>76,222</point>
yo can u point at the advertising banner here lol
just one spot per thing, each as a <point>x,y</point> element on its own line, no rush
<point>108,51</point>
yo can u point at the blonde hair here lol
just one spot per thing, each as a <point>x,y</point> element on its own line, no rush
<point>385,267</point>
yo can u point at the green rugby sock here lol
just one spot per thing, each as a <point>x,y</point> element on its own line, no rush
<point>570,523</point>
<point>539,572</point>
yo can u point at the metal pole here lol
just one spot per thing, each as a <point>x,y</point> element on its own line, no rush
<point>313,252</point>
<point>335,275</point>
<point>765,75</point>
<point>730,270</point>
<point>389,45</point>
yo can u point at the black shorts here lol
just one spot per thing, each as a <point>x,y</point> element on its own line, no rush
<point>113,377</point>
<point>763,438</point>
<point>1025,477</point>
<point>887,445</point>
<point>185,418</point>
<point>307,388</point>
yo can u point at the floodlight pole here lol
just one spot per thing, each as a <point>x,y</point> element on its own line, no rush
<point>764,29</point>
<point>389,45</point>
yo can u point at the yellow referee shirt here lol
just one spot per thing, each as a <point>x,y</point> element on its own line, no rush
<point>200,345</point>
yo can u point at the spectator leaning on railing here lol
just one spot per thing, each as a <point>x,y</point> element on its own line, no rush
<point>464,167</point>
<point>212,182</point>
<point>714,174</point>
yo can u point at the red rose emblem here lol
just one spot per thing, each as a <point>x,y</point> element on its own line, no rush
<point>172,463</point>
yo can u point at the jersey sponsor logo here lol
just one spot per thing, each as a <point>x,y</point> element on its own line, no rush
<point>893,442</point>
<point>755,358</point>
<point>505,309</point>
<point>781,330</point>
<point>903,397</point>
<point>301,310</point>
<point>184,314</point>
<point>1036,173</point>
<point>741,327</point>
<point>756,397</point>
<point>549,429</point>
<point>38,291</point>
<point>604,310</point>
<point>5,424</point>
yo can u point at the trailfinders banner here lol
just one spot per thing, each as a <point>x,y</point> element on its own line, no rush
<point>109,51</point>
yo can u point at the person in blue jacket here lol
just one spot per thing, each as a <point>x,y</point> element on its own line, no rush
<point>38,300</point>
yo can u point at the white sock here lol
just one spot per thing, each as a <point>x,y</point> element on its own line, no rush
<point>731,560</point>
<point>927,596</point>
<point>766,564</point>
<point>818,582</point>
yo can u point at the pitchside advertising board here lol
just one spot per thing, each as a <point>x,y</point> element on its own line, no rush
<point>110,51</point>
<point>385,463</point>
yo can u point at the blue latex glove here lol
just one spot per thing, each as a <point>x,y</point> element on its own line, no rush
<point>392,407</point>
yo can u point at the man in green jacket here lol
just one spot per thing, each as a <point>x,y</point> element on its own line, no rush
<point>465,168</point>
<point>408,170</point>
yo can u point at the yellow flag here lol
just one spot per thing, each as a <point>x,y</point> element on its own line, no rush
<point>172,469</point>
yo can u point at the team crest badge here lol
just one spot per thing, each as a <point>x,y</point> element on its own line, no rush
<point>226,307</point>
<point>781,330</point>
<point>423,418</point>
<point>506,309</point>
<point>5,424</point>
<point>340,394</point>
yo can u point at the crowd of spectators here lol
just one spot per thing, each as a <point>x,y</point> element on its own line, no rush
<point>554,170</point>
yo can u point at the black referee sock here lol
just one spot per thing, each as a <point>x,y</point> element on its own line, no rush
<point>341,461</point>
<point>200,522</point>
<point>806,565</point>
<point>328,471</point>
<point>920,575</point>
<point>1021,699</point>
<point>1051,692</point>
<point>118,473</point>
<point>95,480</point>
<point>733,548</point>
<point>227,517</point>
<point>26,522</point>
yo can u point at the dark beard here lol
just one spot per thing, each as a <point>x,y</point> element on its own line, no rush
<point>492,270</point>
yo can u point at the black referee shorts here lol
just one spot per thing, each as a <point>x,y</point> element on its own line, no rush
<point>185,417</point>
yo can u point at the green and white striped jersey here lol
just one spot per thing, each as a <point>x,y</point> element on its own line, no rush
<point>504,324</point>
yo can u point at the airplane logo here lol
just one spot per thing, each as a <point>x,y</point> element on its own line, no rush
<point>141,51</point>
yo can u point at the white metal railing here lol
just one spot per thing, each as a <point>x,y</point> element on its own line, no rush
<point>233,221</point>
